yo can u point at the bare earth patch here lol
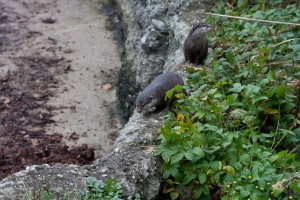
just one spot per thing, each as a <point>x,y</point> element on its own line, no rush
<point>58,73</point>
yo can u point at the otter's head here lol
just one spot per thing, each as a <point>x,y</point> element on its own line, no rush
<point>145,104</point>
<point>200,28</point>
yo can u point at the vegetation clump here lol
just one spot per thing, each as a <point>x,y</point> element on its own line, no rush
<point>237,135</point>
<point>97,190</point>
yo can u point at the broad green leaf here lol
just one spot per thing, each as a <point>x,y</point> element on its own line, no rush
<point>282,154</point>
<point>217,177</point>
<point>202,177</point>
<point>189,155</point>
<point>212,91</point>
<point>174,195</point>
<point>229,57</point>
<point>215,166</point>
<point>167,153</point>
<point>204,165</point>
<point>177,157</point>
<point>198,140</point>
<point>188,178</point>
<point>270,111</point>
<point>281,92</point>
<point>287,106</point>
<point>166,130</point>
<point>245,159</point>
<point>241,3</point>
<point>273,158</point>
<point>258,98</point>
<point>169,170</point>
<point>275,2</point>
<point>232,99</point>
<point>205,190</point>
<point>230,170</point>
<point>190,70</point>
<point>198,151</point>
<point>244,193</point>
<point>169,94</point>
<point>212,149</point>
<point>238,114</point>
<point>197,192</point>
<point>237,87</point>
<point>278,188</point>
<point>296,186</point>
<point>199,114</point>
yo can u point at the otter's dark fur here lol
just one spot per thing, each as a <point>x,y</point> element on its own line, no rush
<point>196,45</point>
<point>153,96</point>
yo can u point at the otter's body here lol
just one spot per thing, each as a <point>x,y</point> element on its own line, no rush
<point>196,45</point>
<point>153,96</point>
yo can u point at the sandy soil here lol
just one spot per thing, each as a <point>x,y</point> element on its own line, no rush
<point>58,72</point>
<point>89,94</point>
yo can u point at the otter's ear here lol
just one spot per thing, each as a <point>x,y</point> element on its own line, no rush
<point>151,97</point>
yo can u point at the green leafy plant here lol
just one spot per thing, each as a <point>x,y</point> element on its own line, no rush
<point>98,190</point>
<point>44,192</point>
<point>237,135</point>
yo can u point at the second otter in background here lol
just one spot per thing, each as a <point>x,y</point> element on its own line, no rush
<point>196,45</point>
<point>152,97</point>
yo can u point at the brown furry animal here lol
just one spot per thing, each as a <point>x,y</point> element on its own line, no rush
<point>196,45</point>
<point>153,96</point>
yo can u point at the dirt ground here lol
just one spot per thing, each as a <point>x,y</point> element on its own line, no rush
<point>58,71</point>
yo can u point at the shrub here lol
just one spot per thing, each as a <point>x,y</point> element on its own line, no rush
<point>237,134</point>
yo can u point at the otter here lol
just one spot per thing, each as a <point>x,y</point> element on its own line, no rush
<point>152,97</point>
<point>196,45</point>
